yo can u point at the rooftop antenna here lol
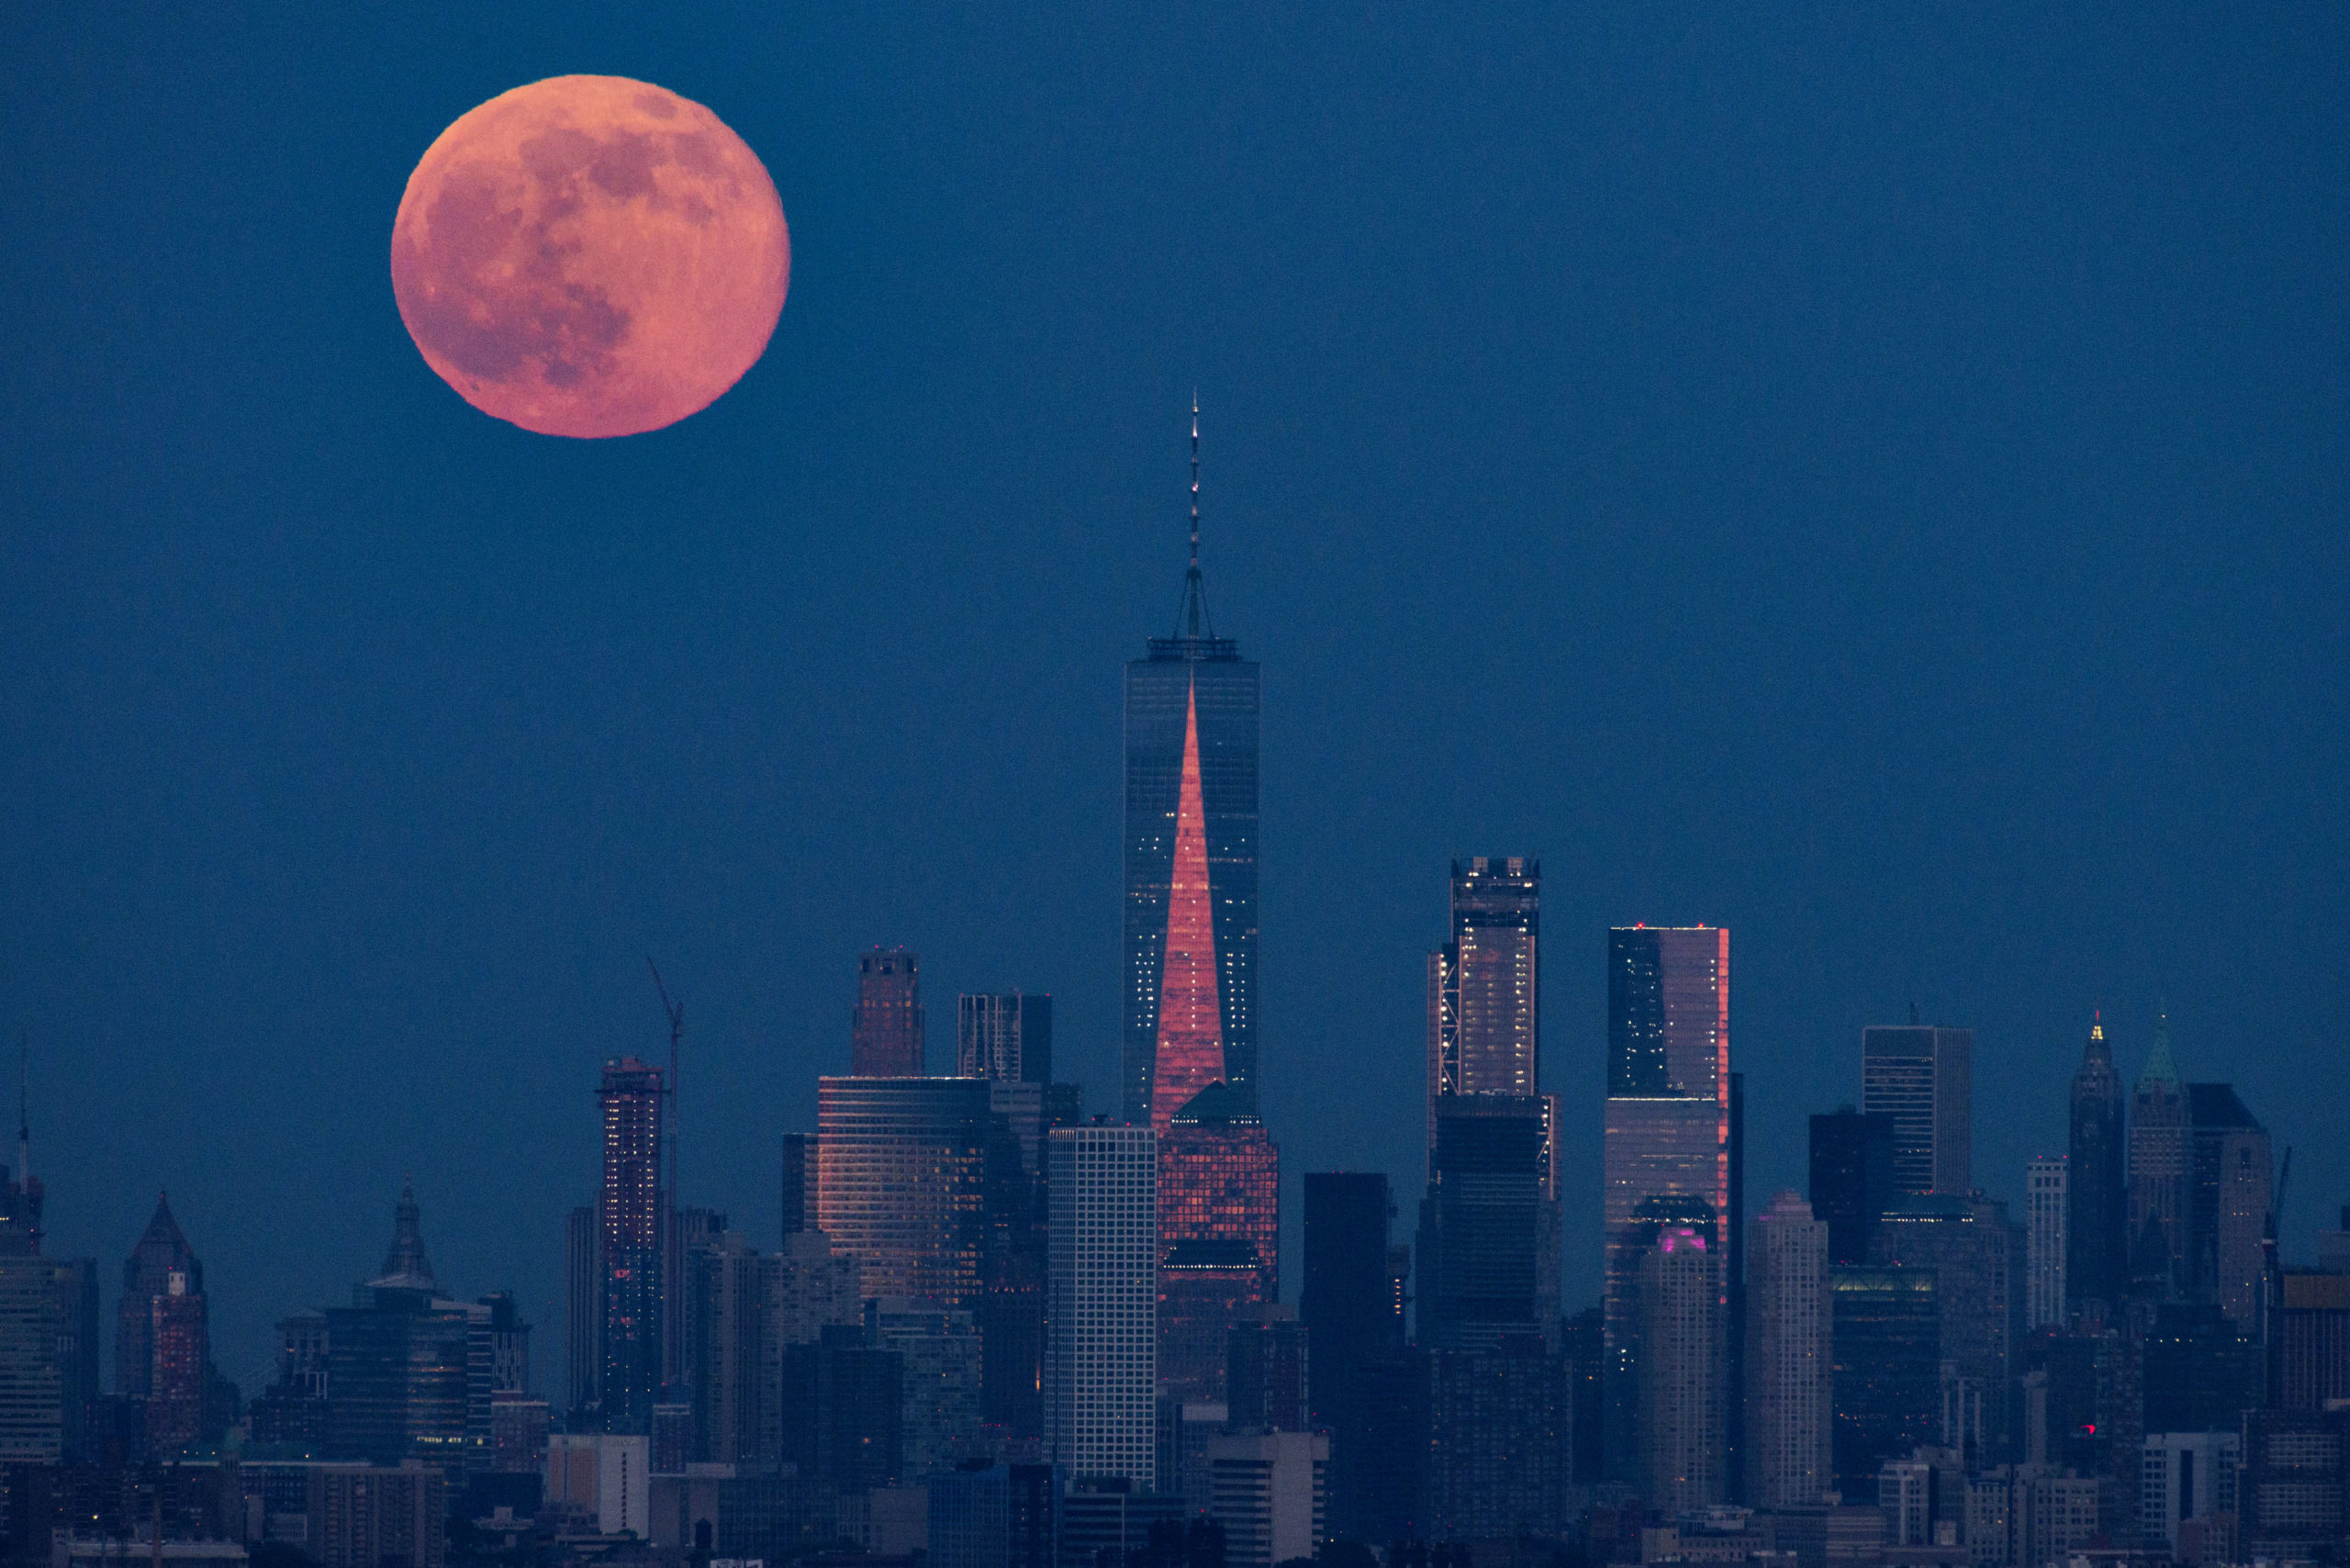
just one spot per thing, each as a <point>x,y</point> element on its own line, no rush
<point>24,1109</point>
<point>1195,592</point>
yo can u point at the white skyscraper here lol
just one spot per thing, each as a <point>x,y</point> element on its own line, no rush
<point>2046,1194</point>
<point>1788,1357</point>
<point>1102,1360</point>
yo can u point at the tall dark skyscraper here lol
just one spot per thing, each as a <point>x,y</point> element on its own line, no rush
<point>1666,1126</point>
<point>1347,1301</point>
<point>1481,1261</point>
<point>1191,860</point>
<point>885,1032</point>
<point>631,1221</point>
<point>1851,1179</point>
<point>2158,1174</point>
<point>1922,1077</point>
<point>583,1314</point>
<point>162,1254</point>
<point>1345,1297</point>
<point>1484,1030</point>
<point>1004,1035</point>
<point>2097,1221</point>
<point>2229,1179</point>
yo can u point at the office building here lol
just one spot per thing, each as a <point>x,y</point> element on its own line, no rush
<point>1885,1330</point>
<point>599,1482</point>
<point>583,1315</point>
<point>2158,1174</point>
<point>727,1320</point>
<point>410,1374</point>
<point>1353,1314</point>
<point>798,1183</point>
<point>1006,1034</point>
<point>1666,1127</point>
<point>160,1252</point>
<point>34,1328</point>
<point>1921,1076</point>
<point>1683,1368</point>
<point>844,1409</point>
<point>2184,1476</point>
<point>2047,1211</point>
<point>1497,1441</point>
<point>632,1222</point>
<point>1968,1245</point>
<point>1185,1428</point>
<point>2309,1356</point>
<point>1011,1310</point>
<point>2229,1174</point>
<point>1269,1375</point>
<point>1191,861</point>
<point>32,1403</point>
<point>77,1355</point>
<point>1484,1032</point>
<point>1219,1234</point>
<point>1006,1516</point>
<point>938,1369</point>
<point>1346,1298</point>
<point>1102,1353</point>
<point>2097,1244</point>
<point>1851,1179</point>
<point>1481,1255</point>
<point>885,1029</point>
<point>810,1286</point>
<point>2293,1492</point>
<point>1109,1518</point>
<point>368,1516</point>
<point>1267,1492</point>
<point>518,1434</point>
<point>1790,1352</point>
<point>901,1169</point>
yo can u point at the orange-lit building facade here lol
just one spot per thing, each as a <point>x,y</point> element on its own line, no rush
<point>1219,1234</point>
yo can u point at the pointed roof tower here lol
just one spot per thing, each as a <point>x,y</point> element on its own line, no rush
<point>2161,1066</point>
<point>406,1263</point>
<point>161,1250</point>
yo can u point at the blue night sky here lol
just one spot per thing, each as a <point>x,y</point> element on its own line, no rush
<point>1873,478</point>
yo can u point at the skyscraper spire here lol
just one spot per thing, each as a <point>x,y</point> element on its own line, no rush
<point>1195,604</point>
<point>24,1110</point>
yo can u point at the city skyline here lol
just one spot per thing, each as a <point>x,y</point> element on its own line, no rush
<point>1902,536</point>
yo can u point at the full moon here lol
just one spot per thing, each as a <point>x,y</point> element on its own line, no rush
<point>591,256</point>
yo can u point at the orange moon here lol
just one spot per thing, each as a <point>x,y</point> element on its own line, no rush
<point>591,256</point>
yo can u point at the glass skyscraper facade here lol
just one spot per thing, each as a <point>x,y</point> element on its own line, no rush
<point>1191,875</point>
<point>901,1169</point>
<point>1666,1126</point>
<point>632,1222</point>
<point>1922,1077</point>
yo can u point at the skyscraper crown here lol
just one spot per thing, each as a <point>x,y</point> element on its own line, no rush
<point>2161,1066</point>
<point>406,1262</point>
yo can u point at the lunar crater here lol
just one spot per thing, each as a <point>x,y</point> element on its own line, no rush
<point>591,256</point>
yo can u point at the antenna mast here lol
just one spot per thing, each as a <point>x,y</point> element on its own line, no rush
<point>1195,601</point>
